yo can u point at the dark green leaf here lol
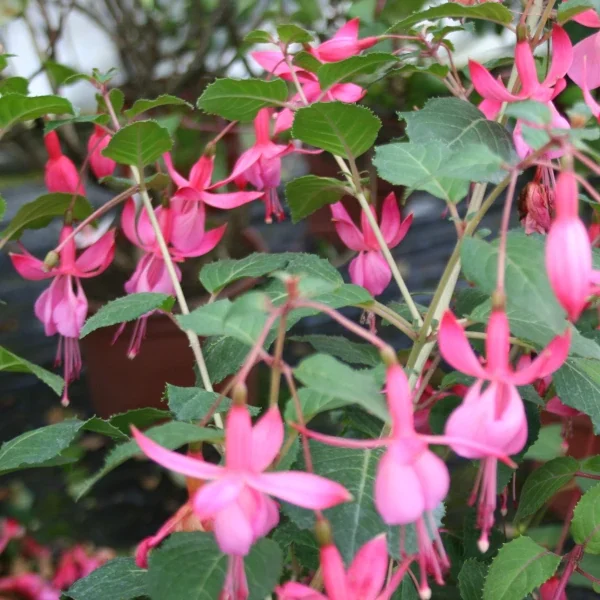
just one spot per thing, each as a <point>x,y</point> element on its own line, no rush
<point>343,71</point>
<point>15,107</point>
<point>585,526</point>
<point>471,579</point>
<point>307,194</point>
<point>98,425</point>
<point>519,568</point>
<point>138,144</point>
<point>170,435</point>
<point>241,99</point>
<point>353,353</point>
<point>192,403</point>
<point>138,417</point>
<point>127,308</point>
<point>543,483</point>
<point>119,579</point>
<point>33,448</point>
<point>143,105</point>
<point>300,542</point>
<point>347,130</point>
<point>190,566</point>
<point>223,355</point>
<point>37,214</point>
<point>289,33</point>
<point>16,364</point>
<point>312,402</point>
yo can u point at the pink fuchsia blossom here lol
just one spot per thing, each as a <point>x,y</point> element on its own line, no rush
<point>370,269</point>
<point>344,43</point>
<point>568,250</point>
<point>182,224</point>
<point>28,586</point>
<point>76,563</point>
<point>494,92</point>
<point>62,308</point>
<point>549,588</point>
<point>364,580</point>
<point>196,187</point>
<point>409,470</point>
<point>60,173</point>
<point>260,165</point>
<point>585,69</point>
<point>101,165</point>
<point>536,202</point>
<point>11,530</point>
<point>238,497</point>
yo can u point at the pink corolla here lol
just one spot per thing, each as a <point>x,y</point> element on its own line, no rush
<point>365,578</point>
<point>76,563</point>
<point>260,165</point>
<point>28,586</point>
<point>411,480</point>
<point>60,173</point>
<point>494,416</point>
<point>101,165</point>
<point>11,530</point>
<point>568,250</point>
<point>343,44</point>
<point>549,589</point>
<point>238,497</point>
<point>494,92</point>
<point>370,269</point>
<point>62,307</point>
<point>182,224</point>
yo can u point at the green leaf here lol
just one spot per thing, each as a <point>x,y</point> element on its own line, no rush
<point>529,111</point>
<point>98,425</point>
<point>56,123</point>
<point>327,375</point>
<point>2,207</point>
<point>190,566</point>
<point>33,448</point>
<point>353,523</point>
<point>343,71</point>
<point>354,353</point>
<point>158,181</point>
<point>570,9</point>
<point>436,70</point>
<point>347,130</point>
<point>59,73</point>
<point>15,108</point>
<point>307,61</point>
<point>142,105</point>
<point>307,194</point>
<point>117,100</point>
<point>487,12</point>
<point>418,166</point>
<point>170,435</point>
<point>217,275</point>
<point>119,579</point>
<point>312,402</point>
<point>292,34</point>
<point>543,483</point>
<point>15,364</point>
<point>192,403</point>
<point>14,85</point>
<point>258,36</point>
<point>138,144</point>
<point>549,444</point>
<point>457,124</point>
<point>39,213</point>
<point>519,568</point>
<point>471,579</point>
<point>241,99</point>
<point>223,355</point>
<point>125,309</point>
<point>138,417</point>
<point>300,542</point>
<point>585,526</point>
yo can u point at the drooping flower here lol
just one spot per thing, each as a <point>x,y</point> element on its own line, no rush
<point>28,586</point>
<point>568,250</point>
<point>370,269</point>
<point>101,165</point>
<point>260,165</point>
<point>411,471</point>
<point>495,93</point>
<point>238,497</point>
<point>364,579</point>
<point>60,173</point>
<point>536,202</point>
<point>343,44</point>
<point>62,308</point>
<point>182,225</point>
<point>494,416</point>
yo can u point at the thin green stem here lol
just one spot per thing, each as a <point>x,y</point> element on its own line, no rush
<point>276,368</point>
<point>393,318</point>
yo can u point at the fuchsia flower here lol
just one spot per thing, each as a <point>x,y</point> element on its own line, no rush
<point>536,202</point>
<point>60,173</point>
<point>183,227</point>
<point>585,69</point>
<point>370,269</point>
<point>495,93</point>
<point>494,416</point>
<point>411,472</point>
<point>568,250</point>
<point>260,165</point>
<point>28,586</point>
<point>238,497</point>
<point>101,165</point>
<point>76,563</point>
<point>364,579</point>
<point>195,188</point>
<point>62,308</point>
<point>344,43</point>
<point>549,588</point>
<point>11,530</point>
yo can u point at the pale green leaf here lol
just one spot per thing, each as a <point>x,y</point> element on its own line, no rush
<point>142,105</point>
<point>138,144</point>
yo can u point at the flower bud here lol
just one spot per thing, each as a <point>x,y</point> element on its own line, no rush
<point>240,394</point>
<point>388,356</point>
<point>52,259</point>
<point>323,533</point>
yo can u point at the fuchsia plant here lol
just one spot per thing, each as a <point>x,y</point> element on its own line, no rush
<point>381,475</point>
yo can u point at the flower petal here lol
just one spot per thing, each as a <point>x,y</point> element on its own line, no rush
<point>497,345</point>
<point>243,163</point>
<point>30,267</point>
<point>367,573</point>
<point>267,439</point>
<point>487,86</point>
<point>334,575</point>
<point>585,69</point>
<point>371,271</point>
<point>215,496</point>
<point>455,347</point>
<point>525,64</point>
<point>346,92</point>
<point>349,233</point>
<point>178,179</point>
<point>297,591</point>
<point>562,56</point>
<point>96,258</point>
<point>192,467</point>
<point>233,530</point>
<point>238,439</point>
<point>201,172</point>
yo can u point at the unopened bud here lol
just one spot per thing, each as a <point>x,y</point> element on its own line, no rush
<point>504,511</point>
<point>498,300</point>
<point>388,356</point>
<point>51,260</point>
<point>323,533</point>
<point>425,593</point>
<point>240,394</point>
<point>522,32</point>
<point>484,545</point>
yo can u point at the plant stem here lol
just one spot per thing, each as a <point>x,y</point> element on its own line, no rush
<point>276,368</point>
<point>393,318</point>
<point>504,233</point>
